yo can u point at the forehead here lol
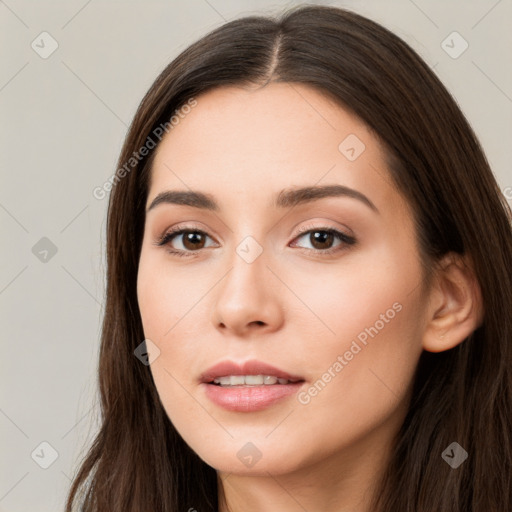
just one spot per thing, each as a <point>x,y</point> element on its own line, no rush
<point>252,142</point>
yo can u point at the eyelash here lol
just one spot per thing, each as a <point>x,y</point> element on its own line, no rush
<point>169,235</point>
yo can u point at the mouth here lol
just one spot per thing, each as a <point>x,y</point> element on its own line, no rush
<point>248,387</point>
<point>248,373</point>
<point>229,381</point>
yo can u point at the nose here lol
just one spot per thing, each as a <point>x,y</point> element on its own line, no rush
<point>249,299</point>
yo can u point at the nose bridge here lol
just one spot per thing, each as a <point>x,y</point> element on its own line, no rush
<point>248,275</point>
<point>247,296</point>
<point>250,244</point>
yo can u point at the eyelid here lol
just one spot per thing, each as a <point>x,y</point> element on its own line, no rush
<point>322,226</point>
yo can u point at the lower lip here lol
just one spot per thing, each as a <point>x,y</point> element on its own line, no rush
<point>249,398</point>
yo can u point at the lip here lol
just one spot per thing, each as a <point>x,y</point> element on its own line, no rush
<point>248,398</point>
<point>252,367</point>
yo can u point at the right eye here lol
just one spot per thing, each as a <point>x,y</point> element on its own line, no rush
<point>190,240</point>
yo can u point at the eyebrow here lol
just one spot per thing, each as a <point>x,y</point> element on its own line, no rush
<point>287,198</point>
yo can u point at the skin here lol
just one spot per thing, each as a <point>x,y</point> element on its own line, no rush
<point>292,308</point>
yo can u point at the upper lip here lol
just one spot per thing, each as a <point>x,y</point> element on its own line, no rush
<point>254,367</point>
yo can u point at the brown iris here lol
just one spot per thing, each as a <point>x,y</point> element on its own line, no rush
<point>320,238</point>
<point>193,240</point>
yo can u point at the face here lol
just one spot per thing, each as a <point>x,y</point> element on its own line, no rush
<point>319,287</point>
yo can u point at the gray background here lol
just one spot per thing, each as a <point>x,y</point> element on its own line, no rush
<point>64,118</point>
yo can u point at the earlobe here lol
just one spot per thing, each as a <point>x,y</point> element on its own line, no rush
<point>455,306</point>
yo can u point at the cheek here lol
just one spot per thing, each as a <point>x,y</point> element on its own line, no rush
<point>364,291</point>
<point>165,295</point>
<point>170,303</point>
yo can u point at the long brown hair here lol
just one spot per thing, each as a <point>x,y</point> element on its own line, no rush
<point>138,462</point>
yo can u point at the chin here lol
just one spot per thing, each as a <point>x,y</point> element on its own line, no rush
<point>258,458</point>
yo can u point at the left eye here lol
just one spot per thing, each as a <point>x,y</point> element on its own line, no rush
<point>322,239</point>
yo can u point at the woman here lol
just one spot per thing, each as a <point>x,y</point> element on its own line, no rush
<point>308,300</point>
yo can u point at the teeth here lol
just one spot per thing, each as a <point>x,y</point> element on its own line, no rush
<point>237,380</point>
<point>252,380</point>
<point>268,379</point>
<point>249,380</point>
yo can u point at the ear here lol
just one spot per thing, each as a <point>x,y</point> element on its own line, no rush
<point>455,304</point>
